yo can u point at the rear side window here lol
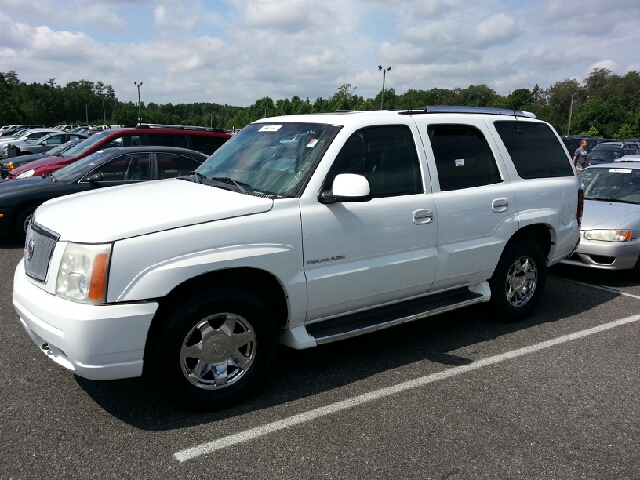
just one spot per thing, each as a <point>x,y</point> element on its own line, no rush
<point>534,149</point>
<point>463,157</point>
<point>168,139</point>
<point>206,144</point>
<point>171,166</point>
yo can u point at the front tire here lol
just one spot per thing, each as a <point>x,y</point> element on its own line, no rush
<point>518,281</point>
<point>21,222</point>
<point>214,349</point>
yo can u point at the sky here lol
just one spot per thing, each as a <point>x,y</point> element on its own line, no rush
<point>237,51</point>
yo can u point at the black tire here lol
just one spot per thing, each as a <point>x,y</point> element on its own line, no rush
<point>201,374</point>
<point>21,221</point>
<point>636,270</point>
<point>518,281</point>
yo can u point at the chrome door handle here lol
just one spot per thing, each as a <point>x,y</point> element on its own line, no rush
<point>422,217</point>
<point>500,205</point>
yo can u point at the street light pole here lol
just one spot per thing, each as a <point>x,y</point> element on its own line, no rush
<point>138,85</point>
<point>104,113</point>
<point>86,112</point>
<point>384,74</point>
<point>570,112</point>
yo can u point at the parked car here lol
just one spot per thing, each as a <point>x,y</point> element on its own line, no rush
<point>10,163</point>
<point>572,143</point>
<point>610,231</point>
<point>629,158</point>
<point>44,144</point>
<point>609,151</point>
<point>28,136</point>
<point>105,168</point>
<point>15,128</point>
<point>302,229</point>
<point>202,139</point>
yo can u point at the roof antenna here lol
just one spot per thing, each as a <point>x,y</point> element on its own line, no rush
<point>518,131</point>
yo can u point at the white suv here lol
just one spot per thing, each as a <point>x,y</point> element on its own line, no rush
<point>301,230</point>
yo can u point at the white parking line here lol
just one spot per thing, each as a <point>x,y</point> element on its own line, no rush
<point>263,430</point>
<point>599,287</point>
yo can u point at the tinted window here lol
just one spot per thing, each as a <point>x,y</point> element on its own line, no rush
<point>132,166</point>
<point>169,140</point>
<point>386,156</point>
<point>534,149</point>
<point>463,157</point>
<point>206,144</point>
<point>171,166</point>
<point>124,141</point>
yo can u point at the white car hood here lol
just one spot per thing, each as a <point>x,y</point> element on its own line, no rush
<point>113,213</point>
<point>609,215</point>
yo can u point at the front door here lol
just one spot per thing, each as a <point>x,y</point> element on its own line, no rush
<point>362,254</point>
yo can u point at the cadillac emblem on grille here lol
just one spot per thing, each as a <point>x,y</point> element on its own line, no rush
<point>29,249</point>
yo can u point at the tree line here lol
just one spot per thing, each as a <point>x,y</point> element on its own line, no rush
<point>603,104</point>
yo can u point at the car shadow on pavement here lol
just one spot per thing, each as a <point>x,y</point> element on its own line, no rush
<point>300,374</point>
<point>7,241</point>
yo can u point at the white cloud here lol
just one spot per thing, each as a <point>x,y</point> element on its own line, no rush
<point>495,29</point>
<point>237,51</point>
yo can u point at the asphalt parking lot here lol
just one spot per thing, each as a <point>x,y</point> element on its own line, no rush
<point>456,396</point>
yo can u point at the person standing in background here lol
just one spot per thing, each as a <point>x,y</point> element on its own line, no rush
<point>581,157</point>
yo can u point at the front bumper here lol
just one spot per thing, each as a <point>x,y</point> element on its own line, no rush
<point>98,342</point>
<point>605,255</point>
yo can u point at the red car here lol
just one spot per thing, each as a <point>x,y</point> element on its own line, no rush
<point>205,140</point>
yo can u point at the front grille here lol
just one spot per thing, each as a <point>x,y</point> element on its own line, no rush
<point>38,248</point>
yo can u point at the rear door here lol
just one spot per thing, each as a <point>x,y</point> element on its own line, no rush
<point>474,198</point>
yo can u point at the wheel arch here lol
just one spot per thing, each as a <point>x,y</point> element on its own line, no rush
<point>540,233</point>
<point>257,282</point>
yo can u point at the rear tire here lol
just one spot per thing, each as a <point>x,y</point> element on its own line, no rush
<point>213,349</point>
<point>518,281</point>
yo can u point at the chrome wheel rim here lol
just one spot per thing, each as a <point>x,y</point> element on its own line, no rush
<point>522,279</point>
<point>218,351</point>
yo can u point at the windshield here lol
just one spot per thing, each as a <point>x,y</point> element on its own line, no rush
<point>77,169</point>
<point>55,151</point>
<point>611,184</point>
<point>605,155</point>
<point>85,144</point>
<point>270,158</point>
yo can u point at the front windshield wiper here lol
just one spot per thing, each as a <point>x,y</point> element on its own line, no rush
<point>230,181</point>
<point>194,177</point>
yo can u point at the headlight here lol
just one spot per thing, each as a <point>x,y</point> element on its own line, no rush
<point>608,235</point>
<point>83,273</point>
<point>28,173</point>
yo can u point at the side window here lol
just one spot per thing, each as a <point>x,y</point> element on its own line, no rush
<point>206,144</point>
<point>463,157</point>
<point>169,140</point>
<point>534,149</point>
<point>171,166</point>
<point>133,166</point>
<point>55,140</point>
<point>386,156</point>
<point>125,141</point>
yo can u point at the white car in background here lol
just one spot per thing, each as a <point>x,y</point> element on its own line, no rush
<point>610,230</point>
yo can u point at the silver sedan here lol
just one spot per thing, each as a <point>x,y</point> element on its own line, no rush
<point>610,231</point>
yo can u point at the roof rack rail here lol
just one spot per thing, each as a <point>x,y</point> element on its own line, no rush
<point>463,109</point>
<point>181,127</point>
